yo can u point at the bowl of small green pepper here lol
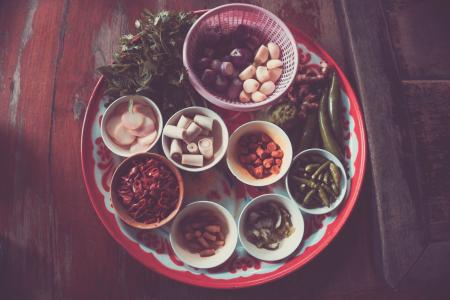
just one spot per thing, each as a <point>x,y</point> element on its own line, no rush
<point>316,181</point>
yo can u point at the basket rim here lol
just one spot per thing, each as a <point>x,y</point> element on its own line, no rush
<point>198,85</point>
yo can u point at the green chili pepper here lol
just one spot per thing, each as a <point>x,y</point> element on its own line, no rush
<point>334,108</point>
<point>326,178</point>
<point>335,189</point>
<point>326,131</point>
<point>309,130</point>
<point>329,190</point>
<point>323,197</point>
<point>320,169</point>
<point>309,183</point>
<point>308,197</point>
<point>320,177</point>
<point>336,174</point>
<point>311,167</point>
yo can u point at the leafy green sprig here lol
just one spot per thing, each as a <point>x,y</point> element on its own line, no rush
<point>150,62</point>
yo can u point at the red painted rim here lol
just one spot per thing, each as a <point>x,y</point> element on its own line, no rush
<point>311,252</point>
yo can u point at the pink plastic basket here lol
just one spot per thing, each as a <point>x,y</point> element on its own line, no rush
<point>269,28</point>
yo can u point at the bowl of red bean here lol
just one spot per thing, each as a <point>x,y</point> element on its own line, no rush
<point>259,153</point>
<point>147,190</point>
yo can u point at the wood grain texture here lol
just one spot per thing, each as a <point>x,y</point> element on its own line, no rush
<point>430,109</point>
<point>27,205</point>
<point>408,139</point>
<point>419,35</point>
<point>53,244</point>
<point>391,146</point>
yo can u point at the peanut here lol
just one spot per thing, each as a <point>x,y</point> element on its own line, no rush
<point>213,228</point>
<point>206,236</point>
<point>209,236</point>
<point>219,243</point>
<point>189,236</point>
<point>207,252</point>
<point>201,240</point>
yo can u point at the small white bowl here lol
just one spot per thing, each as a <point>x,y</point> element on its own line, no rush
<point>343,187</point>
<point>194,259</point>
<point>219,132</point>
<point>289,244</point>
<point>137,99</point>
<point>276,134</point>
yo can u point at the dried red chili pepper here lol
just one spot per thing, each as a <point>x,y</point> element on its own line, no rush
<point>149,191</point>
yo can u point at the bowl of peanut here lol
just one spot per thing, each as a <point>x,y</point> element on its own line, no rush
<point>259,153</point>
<point>204,234</point>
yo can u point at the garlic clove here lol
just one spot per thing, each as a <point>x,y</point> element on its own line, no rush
<point>258,96</point>
<point>244,97</point>
<point>275,74</point>
<point>247,73</point>
<point>251,85</point>
<point>274,50</point>
<point>261,55</point>
<point>274,63</point>
<point>267,88</point>
<point>262,74</point>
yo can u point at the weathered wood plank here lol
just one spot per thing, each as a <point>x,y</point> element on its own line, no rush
<point>419,35</point>
<point>397,204</point>
<point>429,108</point>
<point>60,249</point>
<point>28,214</point>
<point>432,269</point>
<point>87,39</point>
<point>81,245</point>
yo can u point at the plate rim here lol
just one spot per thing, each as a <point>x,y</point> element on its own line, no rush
<point>256,279</point>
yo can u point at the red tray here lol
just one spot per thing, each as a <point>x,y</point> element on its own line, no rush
<point>152,248</point>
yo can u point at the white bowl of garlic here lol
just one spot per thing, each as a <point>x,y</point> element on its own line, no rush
<point>195,139</point>
<point>131,124</point>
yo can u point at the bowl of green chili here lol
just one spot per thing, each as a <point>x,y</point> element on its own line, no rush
<point>317,181</point>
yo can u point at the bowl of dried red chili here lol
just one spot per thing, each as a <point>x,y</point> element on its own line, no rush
<point>147,190</point>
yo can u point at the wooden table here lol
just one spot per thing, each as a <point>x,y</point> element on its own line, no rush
<point>53,246</point>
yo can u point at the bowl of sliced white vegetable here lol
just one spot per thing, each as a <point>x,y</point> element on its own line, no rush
<point>195,139</point>
<point>131,124</point>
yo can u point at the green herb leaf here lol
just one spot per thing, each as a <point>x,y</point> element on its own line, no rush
<point>150,62</point>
